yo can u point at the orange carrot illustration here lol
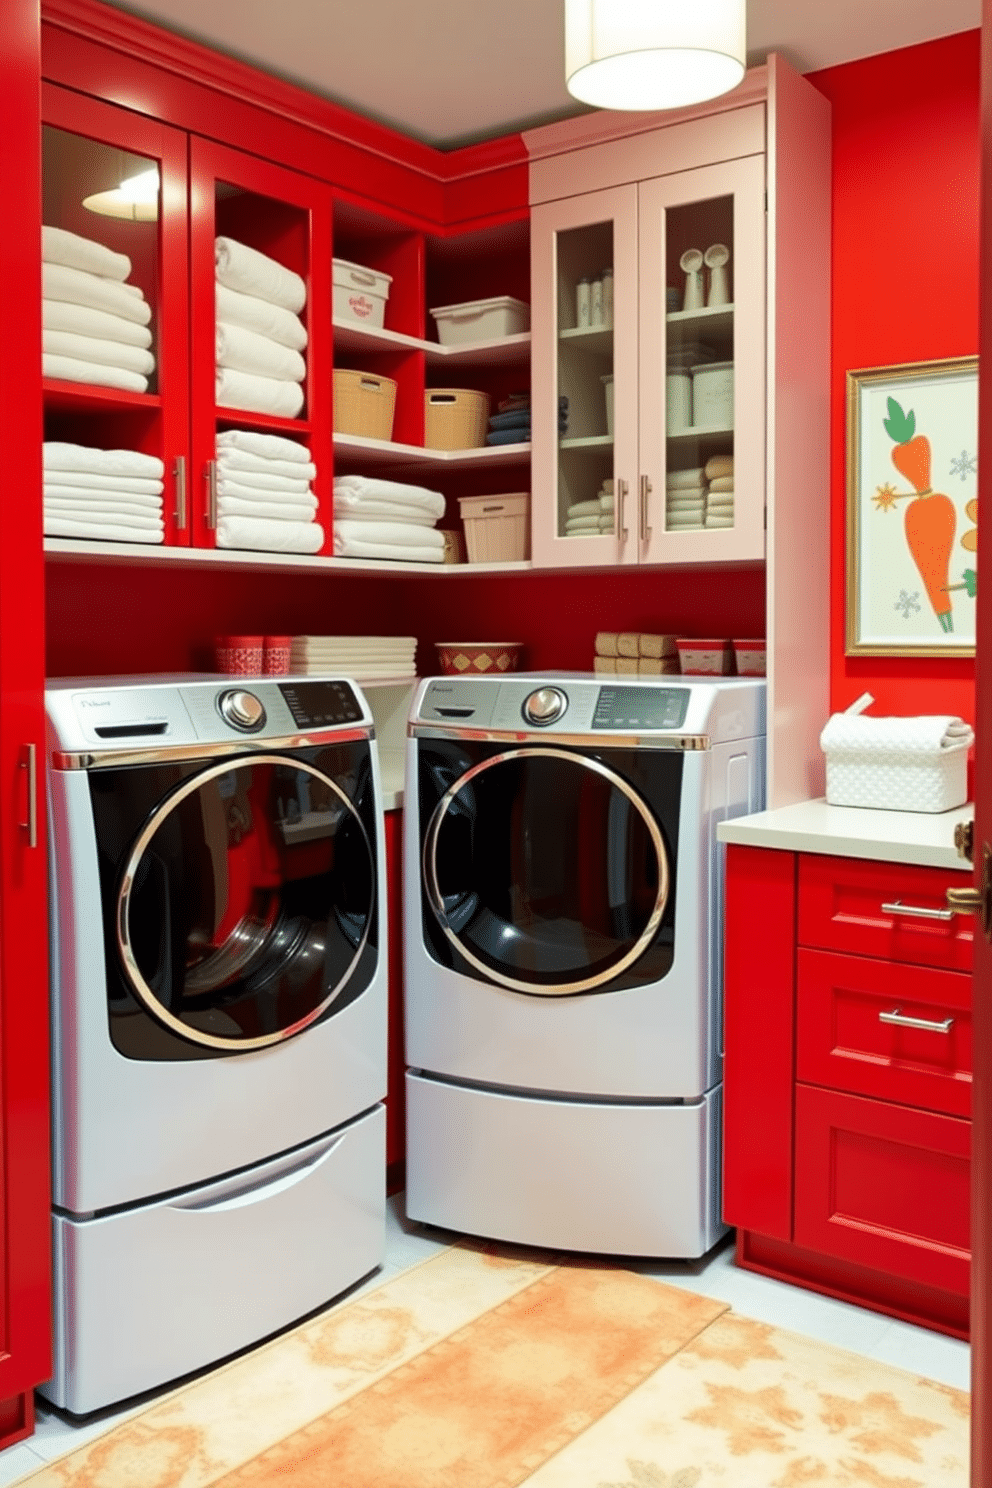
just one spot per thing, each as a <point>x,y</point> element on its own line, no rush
<point>930,516</point>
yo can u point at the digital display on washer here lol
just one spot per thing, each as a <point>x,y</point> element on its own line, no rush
<point>320,704</point>
<point>641,707</point>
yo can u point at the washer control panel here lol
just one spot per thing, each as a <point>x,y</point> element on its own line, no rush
<point>241,709</point>
<point>641,707</point>
<point>545,705</point>
<point>321,704</point>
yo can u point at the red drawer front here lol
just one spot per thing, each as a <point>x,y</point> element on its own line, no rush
<point>843,907</point>
<point>843,1042</point>
<point>884,1186</point>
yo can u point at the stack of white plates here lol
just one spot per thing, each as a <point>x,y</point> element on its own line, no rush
<point>354,656</point>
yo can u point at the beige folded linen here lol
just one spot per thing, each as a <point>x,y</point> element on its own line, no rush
<point>713,519</point>
<point>250,272</point>
<point>83,320</point>
<point>718,467</point>
<point>260,316</point>
<point>257,394</point>
<point>230,460</point>
<point>723,501</point>
<point>722,483</point>
<point>684,524</point>
<point>628,644</point>
<point>686,506</point>
<point>657,645</point>
<point>582,524</point>
<point>627,665</point>
<point>658,666</point>
<point>80,288</point>
<point>584,509</point>
<point>71,369</point>
<point>682,480</point>
<point>247,351</point>
<point>94,349</point>
<point>62,247</point>
<point>57,455</point>
<point>267,446</point>
<point>606,643</point>
<point>269,536</point>
<point>604,664</point>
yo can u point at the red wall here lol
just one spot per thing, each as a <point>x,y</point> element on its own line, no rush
<point>905,286</point>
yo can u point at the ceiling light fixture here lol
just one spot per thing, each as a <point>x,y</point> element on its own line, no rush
<point>136,198</point>
<point>653,54</point>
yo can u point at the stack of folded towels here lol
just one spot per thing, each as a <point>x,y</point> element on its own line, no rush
<point>95,325</point>
<point>630,653</point>
<point>264,497</point>
<point>111,494</point>
<point>590,518</point>
<point>363,657</point>
<point>386,519</point>
<point>260,337</point>
<point>720,494</point>
<point>511,423</point>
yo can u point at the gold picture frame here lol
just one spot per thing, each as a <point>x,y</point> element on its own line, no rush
<point>912,436</point>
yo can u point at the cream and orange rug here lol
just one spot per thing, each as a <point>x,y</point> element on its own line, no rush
<point>488,1368</point>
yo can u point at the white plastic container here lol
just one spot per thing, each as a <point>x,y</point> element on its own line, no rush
<point>607,381</point>
<point>481,320</point>
<point>496,527</point>
<point>713,395</point>
<point>360,294</point>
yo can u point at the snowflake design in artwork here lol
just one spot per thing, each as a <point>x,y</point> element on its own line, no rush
<point>908,604</point>
<point>964,465</point>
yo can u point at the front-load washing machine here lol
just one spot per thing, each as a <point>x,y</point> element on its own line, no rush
<point>563,957</point>
<point>219,1018</point>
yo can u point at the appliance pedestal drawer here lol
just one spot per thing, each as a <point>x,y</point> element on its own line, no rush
<point>884,1185</point>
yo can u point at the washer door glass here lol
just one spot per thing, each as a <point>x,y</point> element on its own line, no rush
<point>245,902</point>
<point>547,870</point>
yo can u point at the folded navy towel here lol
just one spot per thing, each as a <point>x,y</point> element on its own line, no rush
<point>517,419</point>
<point>508,436</point>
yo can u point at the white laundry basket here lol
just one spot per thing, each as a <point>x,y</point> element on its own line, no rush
<point>896,764</point>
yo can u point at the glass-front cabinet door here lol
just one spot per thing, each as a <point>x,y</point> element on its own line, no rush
<point>584,327</point>
<point>701,476</point>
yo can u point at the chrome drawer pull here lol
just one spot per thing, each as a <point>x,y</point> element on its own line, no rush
<point>904,1021</point>
<point>918,911</point>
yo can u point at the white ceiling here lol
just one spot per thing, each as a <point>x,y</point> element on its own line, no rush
<point>452,71</point>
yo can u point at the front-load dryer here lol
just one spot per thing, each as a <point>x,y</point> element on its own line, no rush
<point>219,1018</point>
<point>563,965</point>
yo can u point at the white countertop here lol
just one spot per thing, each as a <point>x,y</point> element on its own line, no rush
<point>920,837</point>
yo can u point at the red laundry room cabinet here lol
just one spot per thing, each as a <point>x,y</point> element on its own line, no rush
<point>848,1080</point>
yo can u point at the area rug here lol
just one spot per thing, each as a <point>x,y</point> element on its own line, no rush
<point>488,1368</point>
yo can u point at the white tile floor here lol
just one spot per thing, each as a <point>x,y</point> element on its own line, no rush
<point>868,1333</point>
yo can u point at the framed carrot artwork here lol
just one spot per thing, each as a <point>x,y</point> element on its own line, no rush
<point>912,509</point>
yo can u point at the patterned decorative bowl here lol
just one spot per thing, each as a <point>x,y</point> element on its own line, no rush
<point>477,658</point>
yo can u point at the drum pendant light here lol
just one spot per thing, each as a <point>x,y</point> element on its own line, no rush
<point>653,54</point>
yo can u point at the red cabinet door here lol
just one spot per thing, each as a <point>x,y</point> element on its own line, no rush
<point>89,150</point>
<point>287,217</point>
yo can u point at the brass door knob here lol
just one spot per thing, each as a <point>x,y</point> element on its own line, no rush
<point>965,901</point>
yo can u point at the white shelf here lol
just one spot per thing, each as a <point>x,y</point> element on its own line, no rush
<point>598,339</point>
<point>365,339</point>
<point>81,550</point>
<point>711,316</point>
<point>381,453</point>
<point>700,431</point>
<point>587,441</point>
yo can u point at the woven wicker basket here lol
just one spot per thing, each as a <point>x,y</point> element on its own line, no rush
<point>455,418</point>
<point>364,404</point>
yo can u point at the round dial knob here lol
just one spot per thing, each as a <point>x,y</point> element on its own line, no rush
<point>242,710</point>
<point>545,705</point>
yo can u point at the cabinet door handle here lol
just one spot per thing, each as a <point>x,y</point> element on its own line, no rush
<point>917,911</point>
<point>210,474</point>
<point>621,510</point>
<point>645,493</point>
<point>29,762</point>
<point>179,473</point>
<point>904,1021</point>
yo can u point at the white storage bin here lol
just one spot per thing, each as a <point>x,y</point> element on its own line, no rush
<point>496,527</point>
<point>360,294</point>
<point>713,395</point>
<point>896,764</point>
<point>481,320</point>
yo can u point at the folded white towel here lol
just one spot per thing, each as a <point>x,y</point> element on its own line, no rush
<point>93,349</point>
<point>685,501</point>
<point>103,514</point>
<point>343,658</point>
<point>258,394</point>
<point>683,480</point>
<point>717,467</point>
<point>722,501</point>
<point>71,369</point>
<point>61,247</point>
<point>351,547</point>
<point>260,316</point>
<point>81,320</point>
<point>363,673</point>
<point>684,524</point>
<point>230,461</point>
<point>102,485</point>
<point>80,288</point>
<point>582,524</point>
<point>280,511</point>
<point>385,511</point>
<point>581,532</point>
<point>300,492</point>
<point>353,642</point>
<point>250,272</point>
<point>584,509</point>
<point>606,503</point>
<point>717,519</point>
<point>266,446</point>
<point>59,526</point>
<point>851,734</point>
<point>56,455</point>
<point>722,483</point>
<point>79,496</point>
<point>253,481</point>
<point>394,533</point>
<point>349,487</point>
<point>247,351</point>
<point>269,536</point>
